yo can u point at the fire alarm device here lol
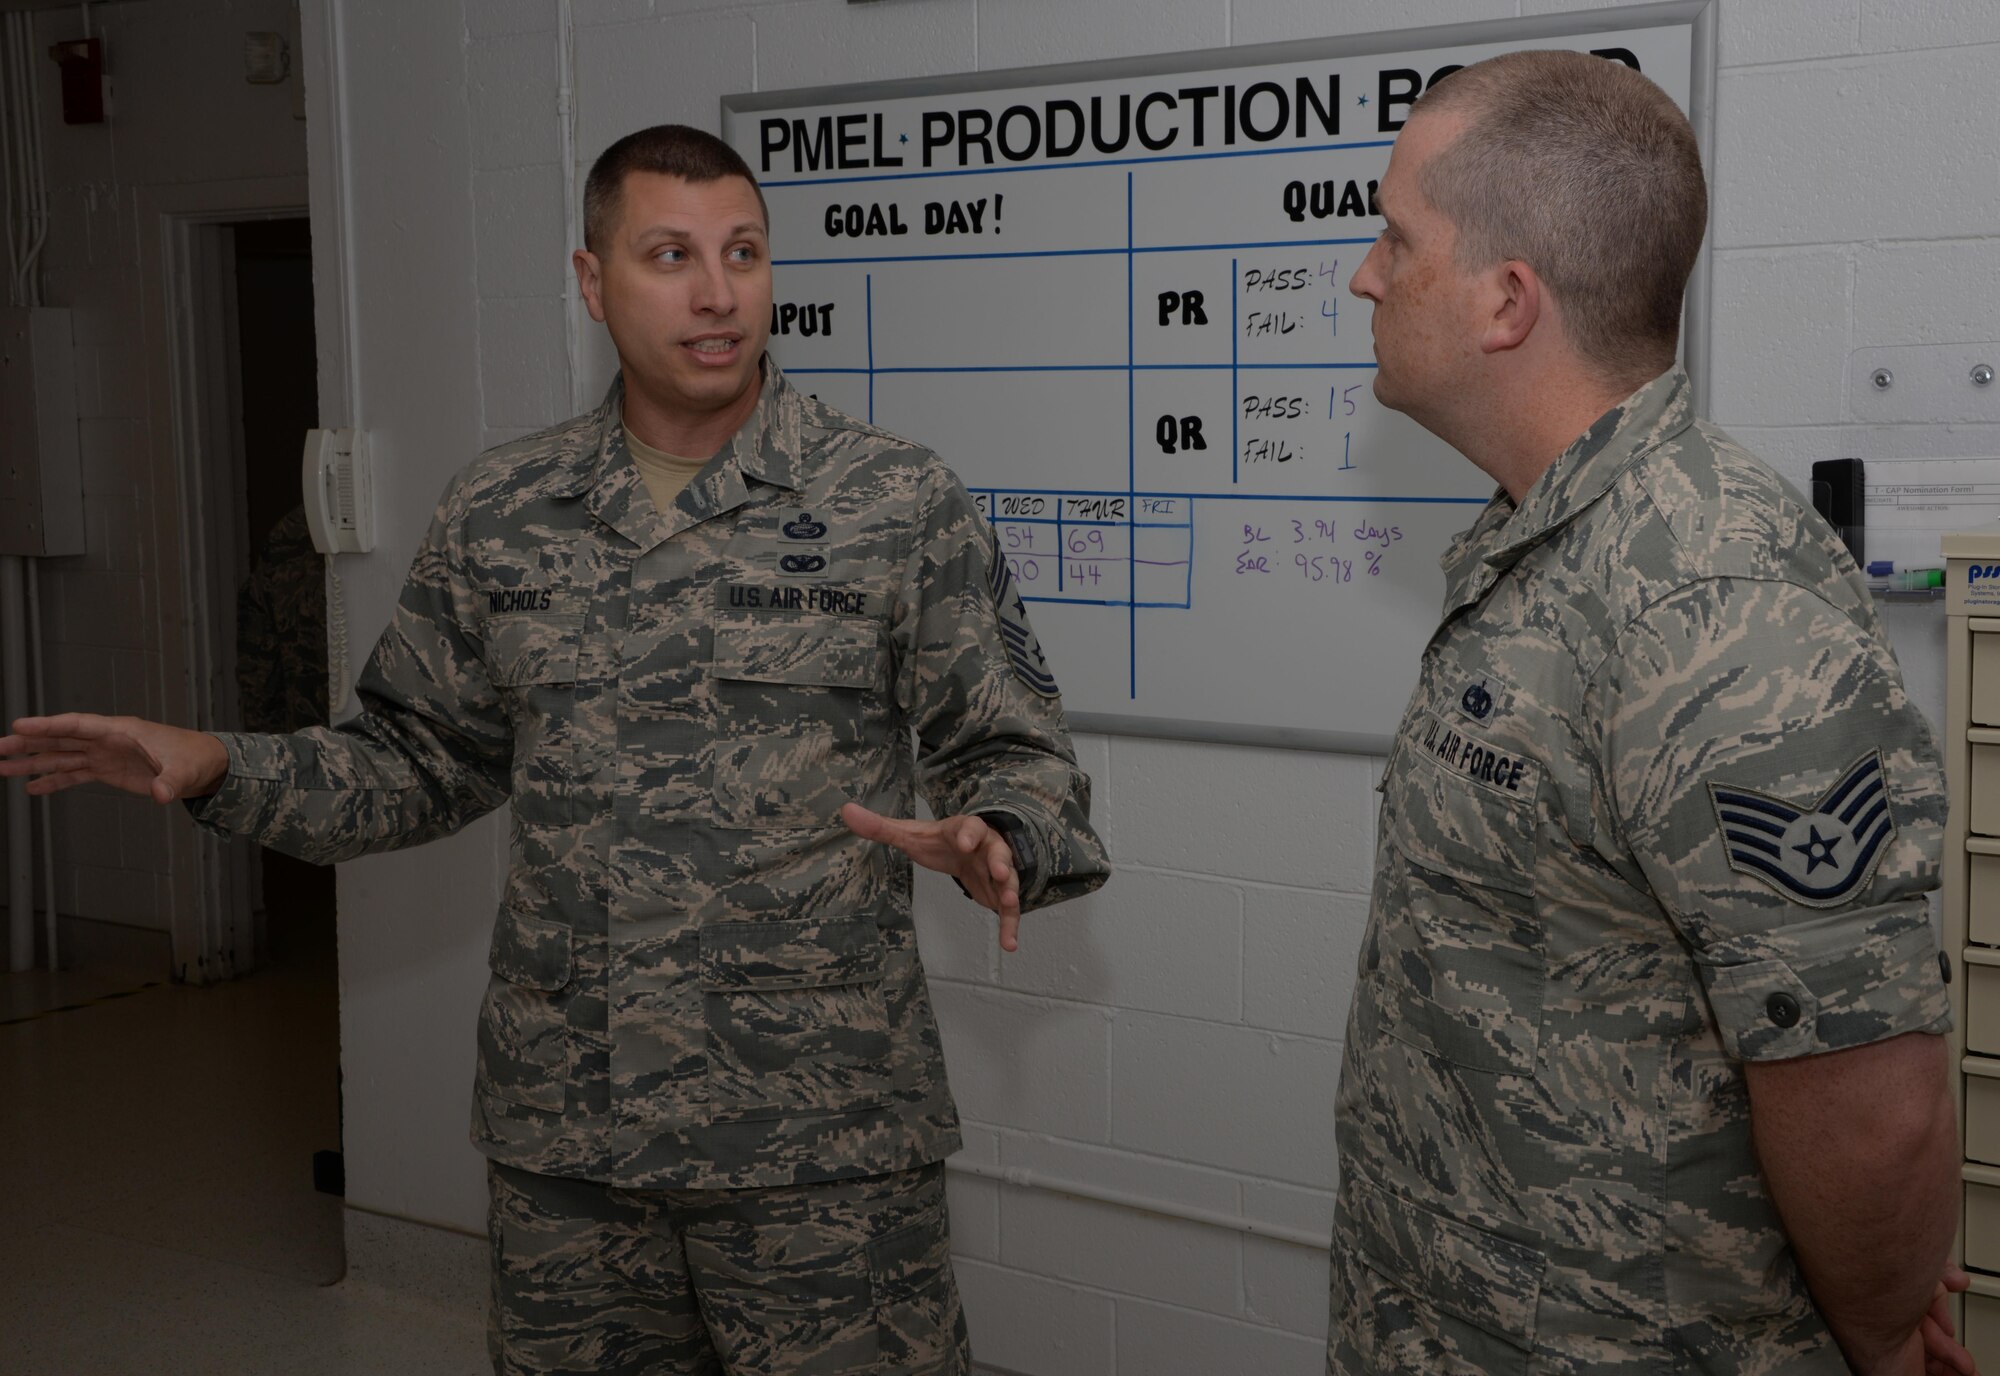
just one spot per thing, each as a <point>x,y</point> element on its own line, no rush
<point>267,58</point>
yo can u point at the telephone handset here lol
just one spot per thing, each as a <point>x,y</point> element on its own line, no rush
<point>339,486</point>
<point>338,478</point>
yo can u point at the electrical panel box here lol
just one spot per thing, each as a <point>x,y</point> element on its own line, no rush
<point>41,472</point>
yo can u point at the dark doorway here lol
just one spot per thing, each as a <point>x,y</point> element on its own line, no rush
<point>281,610</point>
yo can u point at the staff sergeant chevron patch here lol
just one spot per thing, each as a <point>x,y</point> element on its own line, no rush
<point>1818,856</point>
<point>1024,651</point>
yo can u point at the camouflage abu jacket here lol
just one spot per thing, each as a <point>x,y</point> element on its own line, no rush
<point>700,978</point>
<point>1658,806</point>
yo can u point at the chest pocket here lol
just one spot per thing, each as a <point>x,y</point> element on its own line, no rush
<point>1458,959</point>
<point>798,706</point>
<point>532,659</point>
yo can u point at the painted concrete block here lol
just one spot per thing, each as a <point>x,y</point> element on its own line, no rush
<point>593,13</point>
<point>1121,1250</point>
<point>501,18</point>
<point>1285,1286</point>
<point>114,453</point>
<point>1229,1097</point>
<point>958,938</point>
<point>1168,943</point>
<point>1942,293</point>
<point>974,1205</point>
<point>145,836</point>
<point>1280,816</point>
<point>1288,1206</point>
<point>1890,24</point>
<point>523,362</point>
<point>1025,33</point>
<point>1106,1168</point>
<point>1300,950</point>
<point>1780,337</point>
<point>1159,1340</point>
<point>1870,148</point>
<point>519,223</point>
<point>1788,30</point>
<point>511,97</point>
<point>817,45</point>
<point>1276,21</point>
<point>1023,1323</point>
<point>630,76</point>
<point>1025,1063</point>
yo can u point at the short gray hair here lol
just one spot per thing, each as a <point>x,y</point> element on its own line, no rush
<point>1588,172</point>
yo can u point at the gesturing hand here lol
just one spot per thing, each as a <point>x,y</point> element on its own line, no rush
<point>1943,1354</point>
<point>143,757</point>
<point>965,848</point>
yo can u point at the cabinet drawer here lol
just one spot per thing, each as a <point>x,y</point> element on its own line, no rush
<point>1985,781</point>
<point>1986,679</point>
<point>1982,1117</point>
<point>1982,1330</point>
<point>1982,896</point>
<point>1982,1227</point>
<point>1982,1009</point>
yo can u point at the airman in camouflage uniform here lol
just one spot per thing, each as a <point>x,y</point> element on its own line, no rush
<point>1659,812</point>
<point>281,632</point>
<point>710,1083</point>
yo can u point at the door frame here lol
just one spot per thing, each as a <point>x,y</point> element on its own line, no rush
<point>188,279</point>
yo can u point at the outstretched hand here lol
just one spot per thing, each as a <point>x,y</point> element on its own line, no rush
<point>1943,1354</point>
<point>965,848</point>
<point>143,757</point>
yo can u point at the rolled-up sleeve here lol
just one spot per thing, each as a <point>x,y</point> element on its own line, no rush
<point>1785,801</point>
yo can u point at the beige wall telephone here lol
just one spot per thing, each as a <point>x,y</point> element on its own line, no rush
<point>338,479</point>
<point>337,476</point>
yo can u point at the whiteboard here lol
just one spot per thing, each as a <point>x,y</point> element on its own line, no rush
<point>1114,297</point>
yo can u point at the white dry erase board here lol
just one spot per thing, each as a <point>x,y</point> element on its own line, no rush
<point>1113,296</point>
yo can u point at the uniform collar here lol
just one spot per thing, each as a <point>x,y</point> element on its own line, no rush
<point>765,448</point>
<point>1582,474</point>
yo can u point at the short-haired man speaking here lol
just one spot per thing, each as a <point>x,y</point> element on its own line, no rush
<point>685,636</point>
<point>1642,1072</point>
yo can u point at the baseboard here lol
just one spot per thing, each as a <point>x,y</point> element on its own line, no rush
<point>417,1266</point>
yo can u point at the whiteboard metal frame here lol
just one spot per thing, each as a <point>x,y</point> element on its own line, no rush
<point>1699,15</point>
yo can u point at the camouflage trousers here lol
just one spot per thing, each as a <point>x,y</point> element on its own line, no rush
<point>851,1276</point>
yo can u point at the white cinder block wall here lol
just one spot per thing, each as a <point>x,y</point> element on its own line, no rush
<point>1178,1036</point>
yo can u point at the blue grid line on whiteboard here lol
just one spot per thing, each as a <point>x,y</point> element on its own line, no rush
<point>1058,253</point>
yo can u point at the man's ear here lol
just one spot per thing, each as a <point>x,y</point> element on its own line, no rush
<point>1518,301</point>
<point>587,279</point>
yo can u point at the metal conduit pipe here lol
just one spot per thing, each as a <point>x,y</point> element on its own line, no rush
<point>1029,1180</point>
<point>14,703</point>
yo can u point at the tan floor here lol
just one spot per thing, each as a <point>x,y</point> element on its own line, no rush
<point>157,1213</point>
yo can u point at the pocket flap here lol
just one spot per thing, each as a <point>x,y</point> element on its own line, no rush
<point>831,654</point>
<point>533,648</point>
<point>530,951</point>
<point>1467,1272</point>
<point>1453,822</point>
<point>804,954</point>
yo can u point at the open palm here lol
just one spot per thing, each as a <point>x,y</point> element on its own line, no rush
<point>138,756</point>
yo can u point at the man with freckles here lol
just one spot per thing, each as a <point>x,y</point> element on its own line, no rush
<point>690,639</point>
<point>1643,1071</point>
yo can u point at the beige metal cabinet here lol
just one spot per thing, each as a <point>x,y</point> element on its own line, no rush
<point>1972,908</point>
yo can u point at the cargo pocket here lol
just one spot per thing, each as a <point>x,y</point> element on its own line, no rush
<point>919,1319</point>
<point>797,1022</point>
<point>523,1024</point>
<point>1461,972</point>
<point>1448,1297</point>
<point>532,659</point>
<point>790,728</point>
